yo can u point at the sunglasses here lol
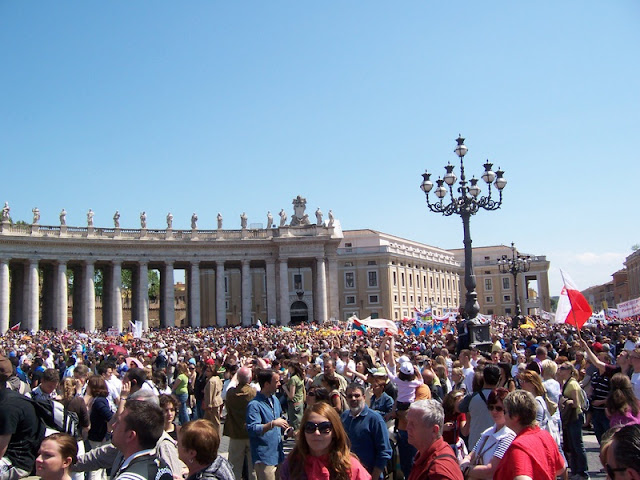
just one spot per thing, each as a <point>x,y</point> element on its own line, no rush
<point>323,427</point>
<point>611,472</point>
<point>497,408</point>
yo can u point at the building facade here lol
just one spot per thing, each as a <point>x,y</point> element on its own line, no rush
<point>632,262</point>
<point>384,276</point>
<point>232,276</point>
<point>496,291</point>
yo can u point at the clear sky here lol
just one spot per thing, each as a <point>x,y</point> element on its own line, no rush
<point>239,106</point>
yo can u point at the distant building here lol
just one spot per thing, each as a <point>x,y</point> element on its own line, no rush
<point>384,276</point>
<point>496,293</point>
<point>632,262</point>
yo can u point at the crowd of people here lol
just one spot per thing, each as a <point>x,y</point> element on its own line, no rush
<point>346,403</point>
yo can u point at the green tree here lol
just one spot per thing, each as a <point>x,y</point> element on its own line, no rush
<point>126,285</point>
<point>635,246</point>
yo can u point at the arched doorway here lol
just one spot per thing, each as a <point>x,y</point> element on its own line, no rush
<point>299,313</point>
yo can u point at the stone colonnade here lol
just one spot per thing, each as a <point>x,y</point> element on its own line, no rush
<point>34,285</point>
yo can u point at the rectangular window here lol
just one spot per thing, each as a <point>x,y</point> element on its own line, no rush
<point>404,299</point>
<point>410,280</point>
<point>373,279</point>
<point>349,280</point>
<point>411,299</point>
<point>371,262</point>
<point>350,300</point>
<point>348,264</point>
<point>375,315</point>
<point>507,311</point>
<point>424,281</point>
<point>488,285</point>
<point>489,299</point>
<point>395,299</point>
<point>297,281</point>
<point>373,298</point>
<point>395,279</point>
<point>506,283</point>
<point>507,298</point>
<point>402,279</point>
<point>226,285</point>
<point>226,305</point>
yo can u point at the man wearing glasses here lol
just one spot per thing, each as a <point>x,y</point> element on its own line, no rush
<point>623,455</point>
<point>367,431</point>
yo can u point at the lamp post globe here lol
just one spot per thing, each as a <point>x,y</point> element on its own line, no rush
<point>466,200</point>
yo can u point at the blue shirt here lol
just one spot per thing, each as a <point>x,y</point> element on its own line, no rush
<point>382,405</point>
<point>369,438</point>
<point>266,446</point>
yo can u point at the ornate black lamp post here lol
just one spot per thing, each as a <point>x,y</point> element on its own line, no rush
<point>514,265</point>
<point>466,202</point>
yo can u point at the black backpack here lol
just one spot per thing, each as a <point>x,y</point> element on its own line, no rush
<point>56,416</point>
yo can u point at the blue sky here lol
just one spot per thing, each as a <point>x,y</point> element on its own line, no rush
<point>217,106</point>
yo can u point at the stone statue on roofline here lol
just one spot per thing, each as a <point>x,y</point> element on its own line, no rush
<point>299,218</point>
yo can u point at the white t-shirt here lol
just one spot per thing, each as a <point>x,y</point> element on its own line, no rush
<point>635,381</point>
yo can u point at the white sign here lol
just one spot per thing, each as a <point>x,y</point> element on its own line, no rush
<point>629,309</point>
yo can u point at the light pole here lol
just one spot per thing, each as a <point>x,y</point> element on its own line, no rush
<point>466,202</point>
<point>514,265</point>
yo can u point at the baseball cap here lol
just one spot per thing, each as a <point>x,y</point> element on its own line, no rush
<point>406,368</point>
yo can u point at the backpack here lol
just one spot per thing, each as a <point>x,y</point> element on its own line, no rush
<point>56,416</point>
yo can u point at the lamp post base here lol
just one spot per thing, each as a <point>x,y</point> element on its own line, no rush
<point>480,336</point>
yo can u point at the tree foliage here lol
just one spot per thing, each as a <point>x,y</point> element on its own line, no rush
<point>126,284</point>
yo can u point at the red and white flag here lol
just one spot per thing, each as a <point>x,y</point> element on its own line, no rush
<point>387,325</point>
<point>573,308</point>
<point>16,327</point>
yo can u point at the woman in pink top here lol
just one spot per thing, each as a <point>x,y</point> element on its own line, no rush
<point>622,405</point>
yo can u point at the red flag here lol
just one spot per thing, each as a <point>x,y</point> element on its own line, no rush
<point>16,327</point>
<point>573,308</point>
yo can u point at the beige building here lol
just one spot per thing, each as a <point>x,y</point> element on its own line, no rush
<point>384,276</point>
<point>496,293</point>
<point>632,263</point>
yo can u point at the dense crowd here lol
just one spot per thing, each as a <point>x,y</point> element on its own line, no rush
<point>348,403</point>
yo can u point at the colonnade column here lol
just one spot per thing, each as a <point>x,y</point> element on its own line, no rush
<point>246,293</point>
<point>89,297</point>
<point>142,291</point>
<point>194,295</point>
<point>31,297</point>
<point>4,295</point>
<point>116,295</point>
<point>60,313</point>
<point>271,289</point>
<point>167,297</point>
<point>321,282</point>
<point>221,308</point>
<point>332,281</point>
<point>285,308</point>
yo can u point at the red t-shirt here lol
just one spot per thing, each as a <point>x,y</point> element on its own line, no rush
<point>446,467</point>
<point>452,436</point>
<point>533,453</point>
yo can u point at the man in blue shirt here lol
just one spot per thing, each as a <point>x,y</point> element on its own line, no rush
<point>264,424</point>
<point>367,431</point>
